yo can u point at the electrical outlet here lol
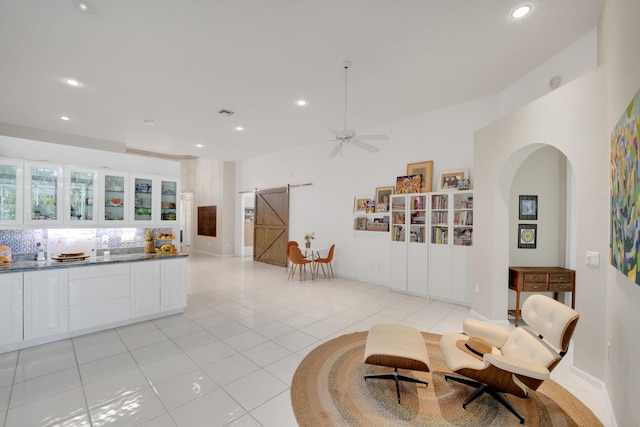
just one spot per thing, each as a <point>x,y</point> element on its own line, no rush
<point>127,238</point>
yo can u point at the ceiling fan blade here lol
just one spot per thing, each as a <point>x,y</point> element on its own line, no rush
<point>336,150</point>
<point>365,146</point>
<point>374,137</point>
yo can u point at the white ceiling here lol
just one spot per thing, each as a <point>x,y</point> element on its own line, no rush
<point>178,62</point>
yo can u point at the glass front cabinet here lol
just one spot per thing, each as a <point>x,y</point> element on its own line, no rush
<point>81,187</point>
<point>144,192</point>
<point>169,193</point>
<point>114,203</point>
<point>44,194</point>
<point>11,181</point>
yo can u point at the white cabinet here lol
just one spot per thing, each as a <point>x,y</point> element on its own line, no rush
<point>144,210</point>
<point>11,191</point>
<point>451,240</point>
<point>44,194</point>
<point>46,303</point>
<point>169,201</point>
<point>98,295</point>
<point>173,281</point>
<point>114,198</point>
<point>10,308</point>
<point>81,188</point>
<point>145,288</point>
<point>408,247</point>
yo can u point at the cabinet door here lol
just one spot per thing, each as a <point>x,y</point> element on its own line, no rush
<point>10,308</point>
<point>439,230</point>
<point>417,271</point>
<point>11,191</point>
<point>173,284</point>
<point>81,188</point>
<point>43,194</point>
<point>398,218</point>
<point>144,208</point>
<point>145,288</point>
<point>439,272</point>
<point>46,303</point>
<point>114,198</point>
<point>169,199</point>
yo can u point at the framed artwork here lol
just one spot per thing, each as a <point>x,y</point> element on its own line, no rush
<point>383,195</point>
<point>425,170</point>
<point>624,238</point>
<point>360,204</point>
<point>449,180</point>
<point>360,223</point>
<point>528,208</point>
<point>408,184</point>
<point>527,236</point>
<point>207,218</point>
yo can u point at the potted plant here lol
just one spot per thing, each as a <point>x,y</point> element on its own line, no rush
<point>149,245</point>
<point>308,238</point>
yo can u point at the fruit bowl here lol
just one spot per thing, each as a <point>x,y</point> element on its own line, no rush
<point>116,201</point>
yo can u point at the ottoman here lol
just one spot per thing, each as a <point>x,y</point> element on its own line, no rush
<point>396,346</point>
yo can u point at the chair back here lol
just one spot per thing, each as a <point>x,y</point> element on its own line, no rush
<point>551,319</point>
<point>289,244</point>
<point>330,256</point>
<point>295,255</point>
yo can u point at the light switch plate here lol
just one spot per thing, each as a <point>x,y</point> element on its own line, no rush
<point>593,258</point>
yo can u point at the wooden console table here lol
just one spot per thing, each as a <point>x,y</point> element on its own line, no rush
<point>541,279</point>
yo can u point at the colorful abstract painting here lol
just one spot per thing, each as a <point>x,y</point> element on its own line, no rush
<point>624,244</point>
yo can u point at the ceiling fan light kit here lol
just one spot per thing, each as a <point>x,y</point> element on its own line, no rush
<point>348,136</point>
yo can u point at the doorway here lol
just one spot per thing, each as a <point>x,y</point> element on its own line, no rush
<point>186,219</point>
<point>247,229</point>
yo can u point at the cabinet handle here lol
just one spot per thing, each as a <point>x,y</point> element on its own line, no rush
<point>559,286</point>
<point>560,277</point>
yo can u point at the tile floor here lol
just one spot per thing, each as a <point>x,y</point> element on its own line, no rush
<point>228,360</point>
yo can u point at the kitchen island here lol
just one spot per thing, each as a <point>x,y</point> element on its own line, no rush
<point>45,301</point>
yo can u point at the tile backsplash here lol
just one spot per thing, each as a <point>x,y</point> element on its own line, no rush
<point>25,241</point>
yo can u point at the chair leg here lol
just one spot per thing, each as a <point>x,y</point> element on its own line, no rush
<point>480,390</point>
<point>396,377</point>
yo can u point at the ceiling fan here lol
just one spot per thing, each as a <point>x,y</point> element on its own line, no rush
<point>347,136</point>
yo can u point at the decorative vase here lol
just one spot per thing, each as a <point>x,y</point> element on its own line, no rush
<point>307,245</point>
<point>149,247</point>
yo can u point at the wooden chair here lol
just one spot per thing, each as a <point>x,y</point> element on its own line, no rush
<point>322,261</point>
<point>298,261</point>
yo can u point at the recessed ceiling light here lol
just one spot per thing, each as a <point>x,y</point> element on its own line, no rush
<point>199,145</point>
<point>83,6</point>
<point>65,118</point>
<point>521,11</point>
<point>301,102</point>
<point>72,82</point>
<point>239,128</point>
<point>149,123</point>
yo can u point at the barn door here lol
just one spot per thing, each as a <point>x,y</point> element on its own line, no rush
<point>271,226</point>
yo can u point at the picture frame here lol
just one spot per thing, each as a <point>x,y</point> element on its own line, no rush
<point>408,184</point>
<point>425,169</point>
<point>360,223</point>
<point>527,236</point>
<point>360,204</point>
<point>448,180</point>
<point>383,195</point>
<point>528,208</point>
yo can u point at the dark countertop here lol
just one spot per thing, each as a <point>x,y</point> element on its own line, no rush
<point>20,266</point>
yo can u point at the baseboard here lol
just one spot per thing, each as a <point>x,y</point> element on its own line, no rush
<point>479,316</point>
<point>601,385</point>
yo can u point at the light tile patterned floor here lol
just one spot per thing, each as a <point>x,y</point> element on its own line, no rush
<point>228,360</point>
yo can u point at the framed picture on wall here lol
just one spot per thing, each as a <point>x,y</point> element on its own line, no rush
<point>528,208</point>
<point>360,204</point>
<point>527,236</point>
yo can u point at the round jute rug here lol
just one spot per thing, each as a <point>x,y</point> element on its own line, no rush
<point>328,389</point>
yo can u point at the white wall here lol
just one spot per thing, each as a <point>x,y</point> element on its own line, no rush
<point>619,53</point>
<point>212,183</point>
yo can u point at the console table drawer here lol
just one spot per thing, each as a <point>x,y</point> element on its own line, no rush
<point>560,277</point>
<point>535,277</point>
<point>535,286</point>
<point>561,287</point>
